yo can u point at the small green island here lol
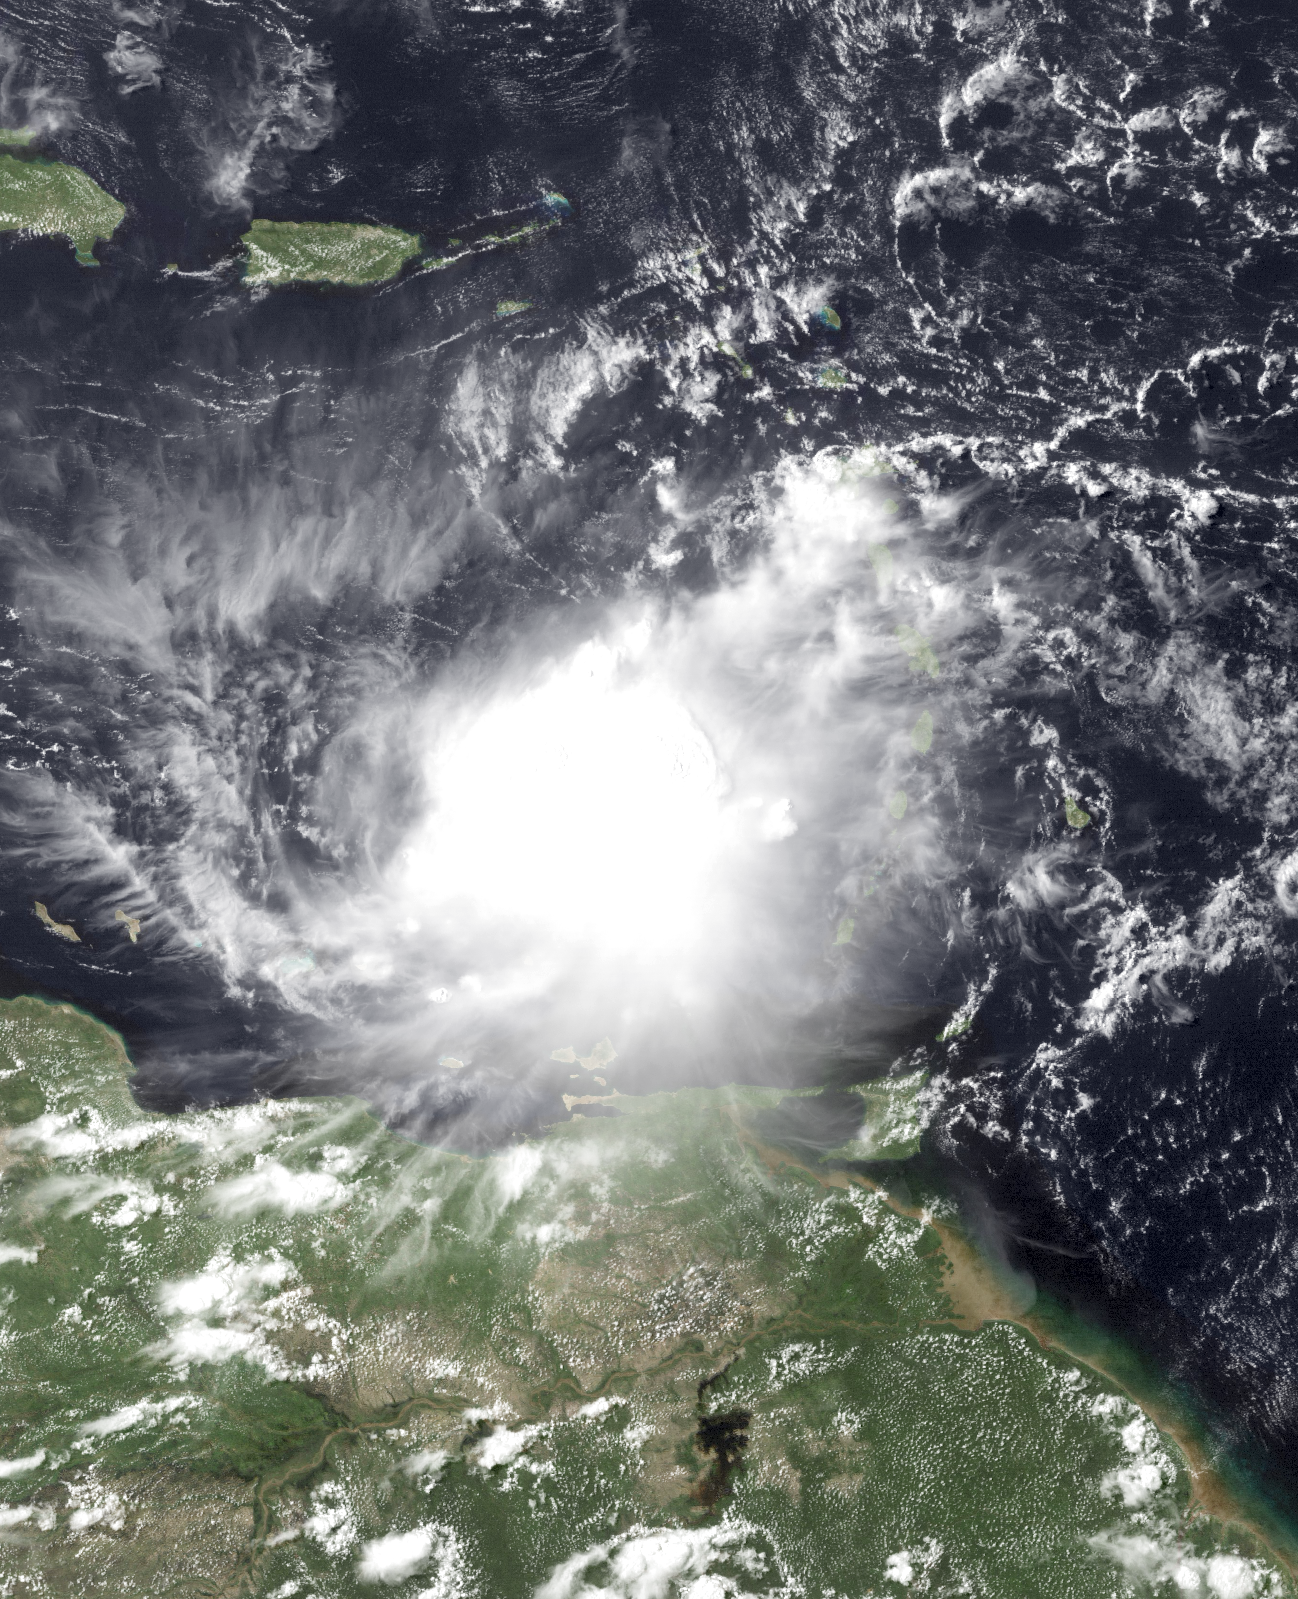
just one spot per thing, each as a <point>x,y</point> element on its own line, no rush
<point>923,657</point>
<point>49,198</point>
<point>324,252</point>
<point>492,234</point>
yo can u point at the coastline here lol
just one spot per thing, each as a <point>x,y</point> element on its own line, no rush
<point>980,1293</point>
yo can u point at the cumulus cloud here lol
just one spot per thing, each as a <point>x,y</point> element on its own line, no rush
<point>397,1556</point>
<point>134,63</point>
<point>332,1522</point>
<point>954,192</point>
<point>283,105</point>
<point>426,1465</point>
<point>1155,1561</point>
<point>644,1564</point>
<point>600,1407</point>
<point>147,1412</point>
<point>1286,884</point>
<point>503,1447</point>
<point>273,1187</point>
<point>222,1312</point>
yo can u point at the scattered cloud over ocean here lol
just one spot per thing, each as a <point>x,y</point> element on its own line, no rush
<point>282,103</point>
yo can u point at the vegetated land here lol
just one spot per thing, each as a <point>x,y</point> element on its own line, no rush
<point>508,229</point>
<point>47,197</point>
<point>325,252</point>
<point>277,1349</point>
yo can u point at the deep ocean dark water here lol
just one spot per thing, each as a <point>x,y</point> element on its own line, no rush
<point>249,538</point>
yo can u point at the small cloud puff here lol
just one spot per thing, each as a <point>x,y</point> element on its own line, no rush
<point>401,1555</point>
<point>503,1447</point>
<point>396,1557</point>
<point>600,1407</point>
<point>427,1466</point>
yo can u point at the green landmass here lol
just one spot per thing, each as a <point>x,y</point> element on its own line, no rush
<point>954,1030</point>
<point>832,376</point>
<point>897,805</point>
<point>846,928</point>
<point>495,235</point>
<point>324,252</point>
<point>881,560</point>
<point>922,655</point>
<point>1074,814</point>
<point>46,197</point>
<point>728,349</point>
<point>830,318</point>
<point>864,462</point>
<point>277,1350</point>
<point>893,1123</point>
<point>512,307</point>
<point>921,735</point>
<point>12,136</point>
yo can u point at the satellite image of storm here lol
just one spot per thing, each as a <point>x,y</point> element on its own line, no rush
<point>648,799</point>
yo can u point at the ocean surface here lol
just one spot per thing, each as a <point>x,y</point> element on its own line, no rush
<point>447,687</point>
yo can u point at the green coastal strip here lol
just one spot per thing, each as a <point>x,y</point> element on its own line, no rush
<point>324,252</point>
<point>46,197</point>
<point>13,136</point>
<point>461,249</point>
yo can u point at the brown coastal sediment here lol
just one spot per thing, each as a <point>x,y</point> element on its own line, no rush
<point>978,1296</point>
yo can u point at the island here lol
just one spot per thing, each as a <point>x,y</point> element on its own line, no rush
<point>49,198</point>
<point>360,253</point>
<point>276,1349</point>
<point>492,233</point>
<point>355,253</point>
<point>923,657</point>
